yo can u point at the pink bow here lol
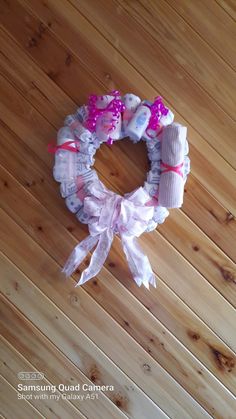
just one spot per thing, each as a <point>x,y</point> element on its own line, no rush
<point>113,214</point>
<point>116,106</point>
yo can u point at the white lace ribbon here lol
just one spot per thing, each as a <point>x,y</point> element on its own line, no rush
<point>112,214</point>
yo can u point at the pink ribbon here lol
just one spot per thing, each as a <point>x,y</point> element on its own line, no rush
<point>157,110</point>
<point>52,148</point>
<point>176,169</point>
<point>116,106</point>
<point>113,214</point>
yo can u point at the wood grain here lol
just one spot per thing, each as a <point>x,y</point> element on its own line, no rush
<point>167,74</point>
<point>169,347</point>
<point>204,17</point>
<point>12,361</point>
<point>21,409</point>
<point>187,49</point>
<point>106,71</point>
<point>40,190</point>
<point>45,357</point>
<point>171,351</point>
<point>229,7</point>
<point>69,332</point>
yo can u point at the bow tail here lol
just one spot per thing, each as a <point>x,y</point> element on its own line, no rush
<point>78,254</point>
<point>138,262</point>
<point>98,257</point>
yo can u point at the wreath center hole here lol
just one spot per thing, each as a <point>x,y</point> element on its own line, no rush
<point>123,166</point>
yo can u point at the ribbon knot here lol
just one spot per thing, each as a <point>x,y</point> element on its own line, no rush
<point>112,214</point>
<point>167,168</point>
<point>116,106</point>
<point>157,110</point>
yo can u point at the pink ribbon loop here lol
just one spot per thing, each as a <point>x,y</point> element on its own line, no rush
<point>113,214</point>
<point>52,148</point>
<point>167,168</point>
<point>116,106</point>
<point>157,110</point>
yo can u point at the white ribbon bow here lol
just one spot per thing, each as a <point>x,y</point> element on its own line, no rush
<point>113,214</point>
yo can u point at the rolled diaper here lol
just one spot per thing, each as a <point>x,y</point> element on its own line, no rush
<point>164,121</point>
<point>82,216</point>
<point>103,101</point>
<point>171,187</point>
<point>151,226</point>
<point>74,203</point>
<point>107,126</point>
<point>69,188</point>
<point>82,113</point>
<point>84,158</point>
<point>154,153</point>
<point>104,124</point>
<point>151,189</point>
<point>153,176</point>
<point>160,214</point>
<point>77,128</point>
<point>81,168</point>
<point>138,123</point>
<point>64,134</point>
<point>131,103</point>
<point>86,148</point>
<point>167,119</point>
<point>64,167</point>
<point>186,167</point>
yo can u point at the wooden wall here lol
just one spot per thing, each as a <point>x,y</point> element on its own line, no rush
<point>169,352</point>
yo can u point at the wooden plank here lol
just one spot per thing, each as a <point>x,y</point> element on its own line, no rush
<point>137,363</point>
<point>187,49</point>
<point>13,362</point>
<point>157,340</point>
<point>40,190</point>
<point>229,7</point>
<point>188,284</point>
<point>211,23</point>
<point>46,358</point>
<point>212,164</point>
<point>46,85</point>
<point>163,304</point>
<point>12,407</point>
<point>181,277</point>
<point>159,68</point>
<point>215,220</point>
<point>216,272</point>
<point>59,65</point>
<point>213,395</point>
<point>201,253</point>
<point>24,119</point>
<point>94,64</point>
<point>218,223</point>
<point>85,356</point>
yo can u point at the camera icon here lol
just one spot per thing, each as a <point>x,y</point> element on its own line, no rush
<point>23,375</point>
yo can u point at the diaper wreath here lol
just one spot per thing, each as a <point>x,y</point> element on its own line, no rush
<point>109,118</point>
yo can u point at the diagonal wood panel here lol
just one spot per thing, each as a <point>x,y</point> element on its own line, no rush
<point>82,31</point>
<point>45,197</point>
<point>169,352</point>
<point>13,362</point>
<point>20,408</point>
